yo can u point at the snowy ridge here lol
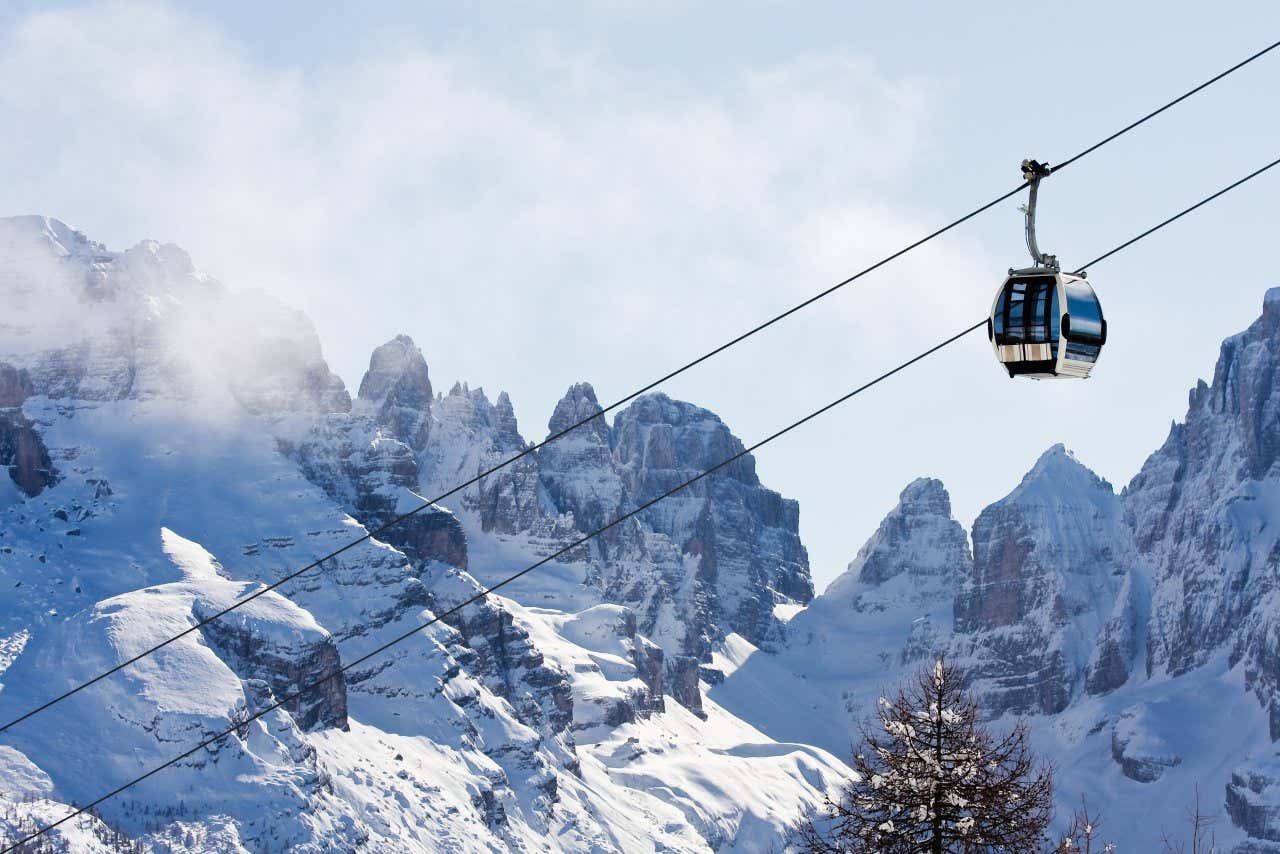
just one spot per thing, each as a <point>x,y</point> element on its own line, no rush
<point>179,459</point>
<point>1136,631</point>
<point>672,685</point>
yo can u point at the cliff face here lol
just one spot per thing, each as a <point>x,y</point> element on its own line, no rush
<point>1049,562</point>
<point>22,451</point>
<point>743,536</point>
<point>1202,510</point>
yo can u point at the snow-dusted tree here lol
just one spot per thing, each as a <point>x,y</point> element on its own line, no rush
<point>1082,837</point>
<point>931,779</point>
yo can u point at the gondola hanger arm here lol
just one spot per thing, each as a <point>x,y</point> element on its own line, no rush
<point>1032,172</point>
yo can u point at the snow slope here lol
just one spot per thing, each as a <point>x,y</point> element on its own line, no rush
<point>185,443</point>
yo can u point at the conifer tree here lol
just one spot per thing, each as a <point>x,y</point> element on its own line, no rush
<point>930,779</point>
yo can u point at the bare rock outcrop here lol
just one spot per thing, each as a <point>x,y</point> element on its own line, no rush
<point>22,452</point>
<point>284,664</point>
<point>1049,562</point>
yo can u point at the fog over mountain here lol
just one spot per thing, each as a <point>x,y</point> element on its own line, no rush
<point>673,684</point>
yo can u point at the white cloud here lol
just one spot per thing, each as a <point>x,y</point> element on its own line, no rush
<point>410,173</point>
<point>568,218</point>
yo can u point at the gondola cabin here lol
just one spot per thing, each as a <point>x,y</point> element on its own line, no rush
<point>1046,324</point>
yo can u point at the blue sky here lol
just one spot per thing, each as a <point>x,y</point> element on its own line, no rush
<point>546,193</point>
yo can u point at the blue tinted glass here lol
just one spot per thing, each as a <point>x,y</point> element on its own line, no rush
<point>1027,312</point>
<point>1038,322</point>
<point>1017,303</point>
<point>1086,313</point>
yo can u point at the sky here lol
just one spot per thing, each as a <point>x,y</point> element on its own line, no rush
<point>543,193</point>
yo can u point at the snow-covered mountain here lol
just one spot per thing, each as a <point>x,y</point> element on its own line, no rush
<point>1138,632</point>
<point>672,685</point>
<point>170,443</point>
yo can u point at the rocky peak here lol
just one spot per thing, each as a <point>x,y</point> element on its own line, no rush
<point>925,496</point>
<point>471,435</point>
<point>155,267</point>
<point>504,420</point>
<point>396,391</point>
<point>96,325</point>
<point>1059,476</point>
<point>470,410</point>
<point>577,469</point>
<point>918,542</point>
<point>33,233</point>
<point>1054,524</point>
<point>745,537</point>
<point>656,437</point>
<point>578,404</point>
<point>1049,562</point>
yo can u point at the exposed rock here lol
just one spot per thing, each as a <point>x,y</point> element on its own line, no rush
<point>255,655</point>
<point>917,558</point>
<point>924,503</point>
<point>925,642</point>
<point>15,386</point>
<point>430,534</point>
<point>1200,509</point>
<point>1138,748</point>
<point>375,477</point>
<point>577,469</point>
<point>650,664</point>
<point>683,677</point>
<point>470,435</point>
<point>744,537</point>
<point>1048,563</point>
<point>505,657</point>
<point>709,562</point>
<point>468,711</point>
<point>623,677</point>
<point>361,467</point>
<point>396,391</point>
<point>366,460</point>
<point>23,453</point>
<point>1253,800</point>
<point>145,323</point>
<point>491,809</point>
<point>1120,642</point>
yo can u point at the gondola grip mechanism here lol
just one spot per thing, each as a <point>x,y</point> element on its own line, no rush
<point>1032,172</point>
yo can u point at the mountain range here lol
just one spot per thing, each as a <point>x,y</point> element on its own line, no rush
<point>672,684</point>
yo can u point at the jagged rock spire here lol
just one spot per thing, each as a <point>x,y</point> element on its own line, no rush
<point>577,470</point>
<point>396,390</point>
<point>578,404</point>
<point>919,542</point>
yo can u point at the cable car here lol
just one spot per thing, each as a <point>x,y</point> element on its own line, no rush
<point>1045,324</point>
